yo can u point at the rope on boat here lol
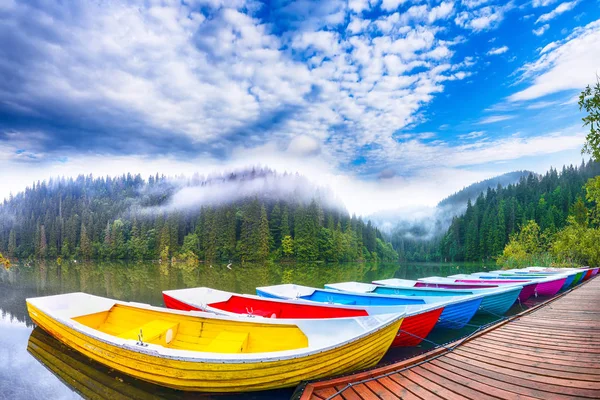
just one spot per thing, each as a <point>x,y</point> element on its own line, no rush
<point>426,340</point>
<point>450,349</point>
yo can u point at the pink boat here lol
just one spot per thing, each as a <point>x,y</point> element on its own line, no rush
<point>529,287</point>
<point>544,287</point>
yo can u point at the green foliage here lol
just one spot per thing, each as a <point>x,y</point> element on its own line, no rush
<point>527,247</point>
<point>4,261</point>
<point>91,218</point>
<point>592,195</point>
<point>287,245</point>
<point>589,100</point>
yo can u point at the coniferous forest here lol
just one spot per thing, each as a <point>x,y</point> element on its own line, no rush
<point>129,218</point>
<point>486,227</point>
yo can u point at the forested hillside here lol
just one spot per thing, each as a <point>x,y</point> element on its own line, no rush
<point>249,216</point>
<point>419,239</point>
<point>484,229</point>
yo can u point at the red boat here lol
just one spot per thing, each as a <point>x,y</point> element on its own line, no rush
<point>418,322</point>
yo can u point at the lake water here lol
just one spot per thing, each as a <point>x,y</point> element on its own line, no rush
<point>34,365</point>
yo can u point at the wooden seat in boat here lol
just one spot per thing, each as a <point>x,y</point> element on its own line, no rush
<point>228,342</point>
<point>156,331</point>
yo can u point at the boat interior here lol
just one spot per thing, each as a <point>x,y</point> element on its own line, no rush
<point>275,309</point>
<point>194,333</point>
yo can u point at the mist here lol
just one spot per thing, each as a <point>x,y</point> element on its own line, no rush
<point>189,194</point>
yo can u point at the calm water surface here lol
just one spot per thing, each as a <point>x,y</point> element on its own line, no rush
<point>34,365</point>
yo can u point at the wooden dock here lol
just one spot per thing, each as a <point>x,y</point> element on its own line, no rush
<point>551,351</point>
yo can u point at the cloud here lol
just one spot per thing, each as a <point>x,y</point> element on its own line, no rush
<point>202,79</point>
<point>391,5</point>
<point>562,65</point>
<point>498,50</point>
<point>359,6</point>
<point>542,3</point>
<point>474,3</point>
<point>540,31</point>
<point>541,105</point>
<point>472,135</point>
<point>304,145</point>
<point>482,19</point>
<point>495,118</point>
<point>560,9</point>
<point>333,90</point>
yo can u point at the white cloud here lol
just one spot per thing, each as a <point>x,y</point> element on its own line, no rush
<point>304,145</point>
<point>563,65</point>
<point>474,3</point>
<point>170,69</point>
<point>483,18</point>
<point>444,10</point>
<point>391,5</point>
<point>359,6</point>
<point>542,3</point>
<point>541,105</point>
<point>495,118</point>
<point>357,25</point>
<point>540,31</point>
<point>560,9</point>
<point>498,50</point>
<point>472,135</point>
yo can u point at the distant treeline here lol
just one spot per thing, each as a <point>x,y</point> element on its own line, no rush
<point>485,228</point>
<point>129,218</point>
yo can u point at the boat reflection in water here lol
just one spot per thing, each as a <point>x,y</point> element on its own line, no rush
<point>92,380</point>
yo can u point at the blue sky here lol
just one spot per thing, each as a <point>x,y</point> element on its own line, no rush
<point>392,104</point>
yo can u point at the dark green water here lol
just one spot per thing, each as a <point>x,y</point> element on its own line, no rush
<point>56,372</point>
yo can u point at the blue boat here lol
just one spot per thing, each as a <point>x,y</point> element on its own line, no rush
<point>495,301</point>
<point>458,310</point>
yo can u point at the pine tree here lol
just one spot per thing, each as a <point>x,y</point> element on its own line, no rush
<point>263,235</point>
<point>12,243</point>
<point>43,249</point>
<point>85,245</point>
<point>275,227</point>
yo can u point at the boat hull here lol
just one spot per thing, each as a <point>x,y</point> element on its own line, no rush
<point>187,375</point>
<point>415,328</point>
<point>568,282</point>
<point>527,291</point>
<point>587,275</point>
<point>578,277</point>
<point>499,303</point>
<point>550,288</point>
<point>457,315</point>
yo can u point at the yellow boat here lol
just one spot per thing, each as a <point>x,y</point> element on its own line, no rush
<point>198,351</point>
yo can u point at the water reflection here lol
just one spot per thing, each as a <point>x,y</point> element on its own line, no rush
<point>73,375</point>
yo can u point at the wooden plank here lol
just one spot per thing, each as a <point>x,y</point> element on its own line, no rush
<point>540,369</point>
<point>380,390</point>
<point>467,388</point>
<point>489,379</point>
<point>434,388</point>
<point>348,393</point>
<point>364,392</point>
<point>411,388</point>
<point>531,358</point>
<point>555,385</point>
